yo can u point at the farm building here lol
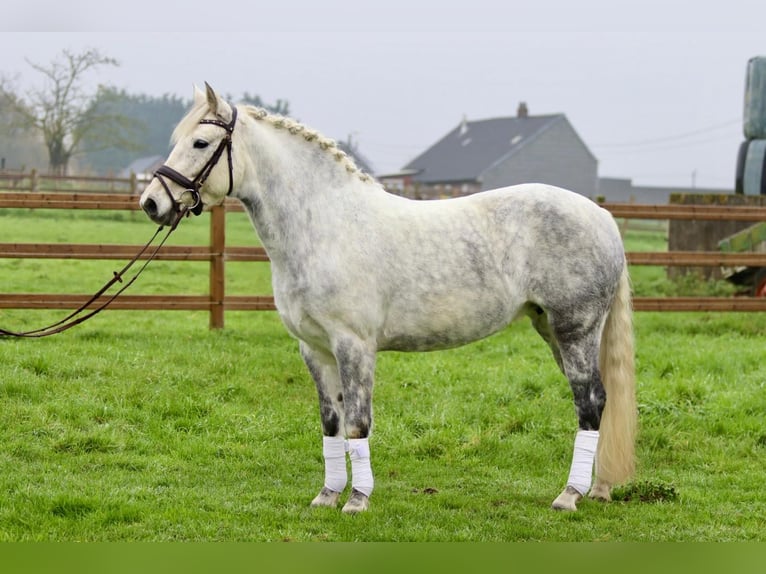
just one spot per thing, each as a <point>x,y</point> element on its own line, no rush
<point>143,167</point>
<point>484,154</point>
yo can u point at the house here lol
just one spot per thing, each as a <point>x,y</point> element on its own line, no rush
<point>485,154</point>
<point>143,167</point>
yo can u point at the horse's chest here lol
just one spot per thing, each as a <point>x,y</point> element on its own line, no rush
<point>292,308</point>
<point>304,312</point>
<point>301,325</point>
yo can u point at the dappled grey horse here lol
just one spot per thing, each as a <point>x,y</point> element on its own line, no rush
<point>357,270</point>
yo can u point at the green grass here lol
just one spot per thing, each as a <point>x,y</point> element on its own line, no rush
<point>87,276</point>
<point>653,281</point>
<point>148,426</point>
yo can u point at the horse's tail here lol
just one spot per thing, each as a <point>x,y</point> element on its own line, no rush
<point>615,461</point>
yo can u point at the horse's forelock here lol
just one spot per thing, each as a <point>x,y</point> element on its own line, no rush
<point>190,121</point>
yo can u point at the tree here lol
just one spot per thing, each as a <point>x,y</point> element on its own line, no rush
<point>19,147</point>
<point>281,107</point>
<point>64,111</point>
<point>148,122</point>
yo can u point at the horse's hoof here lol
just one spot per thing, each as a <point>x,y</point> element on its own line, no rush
<point>567,500</point>
<point>357,502</point>
<point>326,497</point>
<point>601,491</point>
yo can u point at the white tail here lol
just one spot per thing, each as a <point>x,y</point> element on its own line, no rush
<point>615,459</point>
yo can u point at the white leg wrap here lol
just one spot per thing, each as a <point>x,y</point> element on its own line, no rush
<point>335,475</point>
<point>361,470</point>
<point>581,472</point>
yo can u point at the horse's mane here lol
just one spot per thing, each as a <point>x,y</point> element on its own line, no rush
<point>190,121</point>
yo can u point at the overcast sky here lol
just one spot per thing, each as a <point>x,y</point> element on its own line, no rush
<point>654,88</point>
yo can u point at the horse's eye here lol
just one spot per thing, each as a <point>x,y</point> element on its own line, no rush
<point>200,144</point>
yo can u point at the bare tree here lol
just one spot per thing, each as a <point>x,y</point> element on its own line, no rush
<point>64,110</point>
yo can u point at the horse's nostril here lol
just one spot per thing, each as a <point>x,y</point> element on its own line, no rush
<point>150,207</point>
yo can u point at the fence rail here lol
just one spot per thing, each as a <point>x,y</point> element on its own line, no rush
<point>696,258</point>
<point>217,253</point>
<point>136,302</point>
<point>69,200</point>
<point>33,181</point>
<point>91,251</point>
<point>687,212</point>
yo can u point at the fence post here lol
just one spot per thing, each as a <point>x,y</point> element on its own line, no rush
<point>217,276</point>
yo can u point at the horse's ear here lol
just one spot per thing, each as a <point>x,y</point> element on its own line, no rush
<point>199,96</point>
<point>212,98</point>
<point>218,106</point>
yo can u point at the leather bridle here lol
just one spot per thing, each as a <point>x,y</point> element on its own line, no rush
<point>193,185</point>
<point>181,209</point>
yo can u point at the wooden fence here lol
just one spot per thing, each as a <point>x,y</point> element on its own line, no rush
<point>216,302</point>
<point>34,181</point>
<point>217,253</point>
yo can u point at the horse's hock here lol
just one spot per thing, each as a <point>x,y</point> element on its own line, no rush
<point>704,235</point>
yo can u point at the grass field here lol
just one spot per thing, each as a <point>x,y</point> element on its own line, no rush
<point>148,426</point>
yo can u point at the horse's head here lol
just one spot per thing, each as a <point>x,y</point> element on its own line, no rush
<point>199,170</point>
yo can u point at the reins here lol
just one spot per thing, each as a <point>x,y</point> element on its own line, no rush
<point>181,209</point>
<point>73,319</point>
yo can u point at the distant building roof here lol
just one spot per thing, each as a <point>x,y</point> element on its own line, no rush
<point>466,152</point>
<point>143,165</point>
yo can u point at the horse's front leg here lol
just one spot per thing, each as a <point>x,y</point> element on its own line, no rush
<point>356,365</point>
<point>324,371</point>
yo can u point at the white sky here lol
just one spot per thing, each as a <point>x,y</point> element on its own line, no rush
<point>654,88</point>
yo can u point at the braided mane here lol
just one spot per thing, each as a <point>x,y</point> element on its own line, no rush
<point>190,121</point>
<point>310,135</point>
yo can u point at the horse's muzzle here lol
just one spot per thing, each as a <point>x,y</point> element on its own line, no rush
<point>150,207</point>
<point>157,209</point>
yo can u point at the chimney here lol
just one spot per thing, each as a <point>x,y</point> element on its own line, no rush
<point>464,125</point>
<point>523,111</point>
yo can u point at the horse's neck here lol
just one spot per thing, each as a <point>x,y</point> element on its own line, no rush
<point>297,192</point>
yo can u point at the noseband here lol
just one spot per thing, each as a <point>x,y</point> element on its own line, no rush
<point>193,185</point>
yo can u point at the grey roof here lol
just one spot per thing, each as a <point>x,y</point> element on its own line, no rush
<point>143,165</point>
<point>466,152</point>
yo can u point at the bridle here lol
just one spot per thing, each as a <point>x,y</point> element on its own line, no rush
<point>193,185</point>
<point>181,209</point>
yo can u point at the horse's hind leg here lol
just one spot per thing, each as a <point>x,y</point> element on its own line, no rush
<point>578,344</point>
<point>324,371</point>
<point>542,326</point>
